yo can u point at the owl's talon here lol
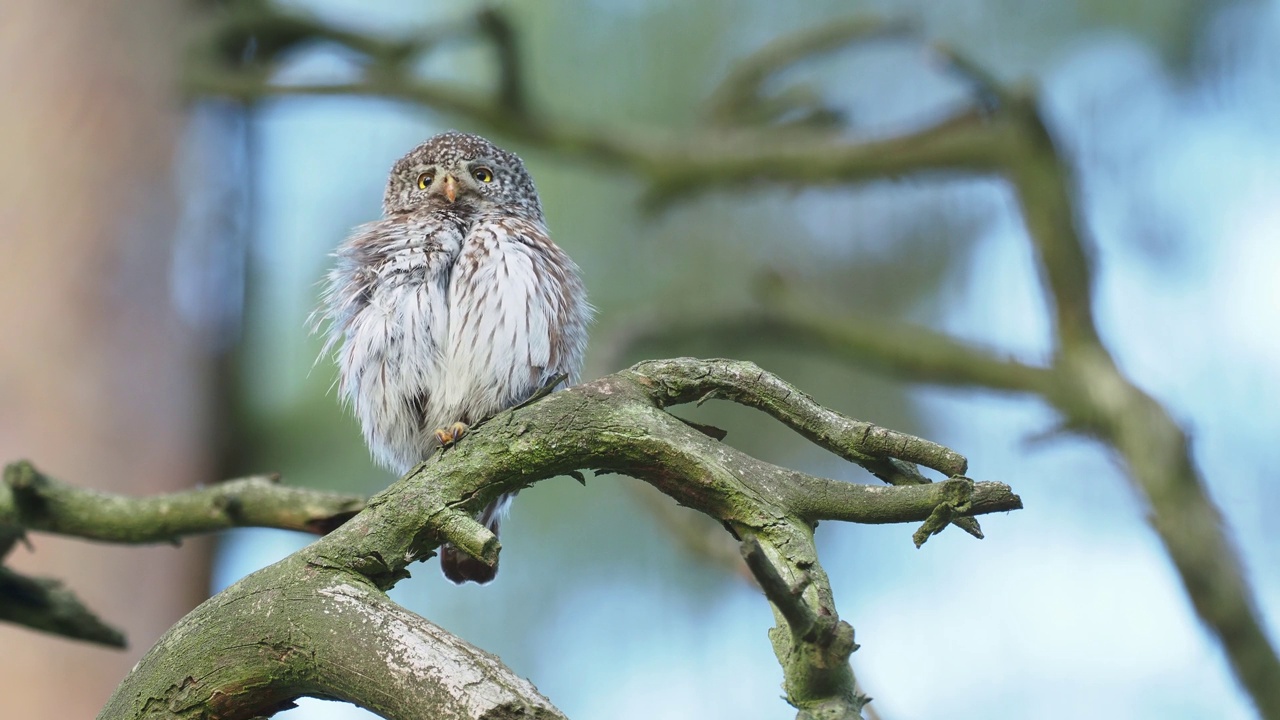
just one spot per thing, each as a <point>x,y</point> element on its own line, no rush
<point>458,429</point>
<point>450,435</point>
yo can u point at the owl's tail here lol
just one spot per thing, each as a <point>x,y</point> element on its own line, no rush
<point>460,567</point>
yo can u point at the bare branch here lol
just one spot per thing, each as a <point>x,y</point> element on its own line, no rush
<point>912,353</point>
<point>1095,396</point>
<point>740,100</point>
<point>511,90</point>
<point>675,164</point>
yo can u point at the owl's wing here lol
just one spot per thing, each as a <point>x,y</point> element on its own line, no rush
<point>518,316</point>
<point>385,312</point>
<point>347,288</point>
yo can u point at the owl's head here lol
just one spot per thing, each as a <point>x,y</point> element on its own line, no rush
<point>464,173</point>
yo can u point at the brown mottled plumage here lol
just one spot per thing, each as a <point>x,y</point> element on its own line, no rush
<point>453,307</point>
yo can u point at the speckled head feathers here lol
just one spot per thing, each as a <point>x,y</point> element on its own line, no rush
<point>461,155</point>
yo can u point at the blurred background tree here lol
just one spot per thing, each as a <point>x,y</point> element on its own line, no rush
<point>1167,113</point>
<point>100,373</point>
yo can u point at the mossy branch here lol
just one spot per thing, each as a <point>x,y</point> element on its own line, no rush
<point>296,629</point>
<point>33,501</point>
<point>614,425</point>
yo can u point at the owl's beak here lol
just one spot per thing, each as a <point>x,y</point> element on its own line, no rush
<point>450,188</point>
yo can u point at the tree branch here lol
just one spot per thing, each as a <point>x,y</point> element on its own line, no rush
<point>910,352</point>
<point>739,99</point>
<point>747,384</point>
<point>252,650</point>
<point>1094,396</point>
<point>44,604</point>
<point>675,164</point>
<point>32,500</point>
<point>613,425</point>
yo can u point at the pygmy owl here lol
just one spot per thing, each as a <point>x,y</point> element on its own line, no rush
<point>453,307</point>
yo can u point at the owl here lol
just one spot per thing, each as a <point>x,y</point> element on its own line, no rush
<point>453,307</point>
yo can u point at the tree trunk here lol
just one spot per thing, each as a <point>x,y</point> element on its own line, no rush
<point>99,379</point>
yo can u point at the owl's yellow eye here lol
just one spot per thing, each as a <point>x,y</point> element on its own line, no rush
<point>483,174</point>
<point>424,180</point>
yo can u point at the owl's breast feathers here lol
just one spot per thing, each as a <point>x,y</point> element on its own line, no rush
<point>437,320</point>
<point>518,316</point>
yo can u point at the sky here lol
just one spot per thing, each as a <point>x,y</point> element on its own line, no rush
<point>1069,608</point>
